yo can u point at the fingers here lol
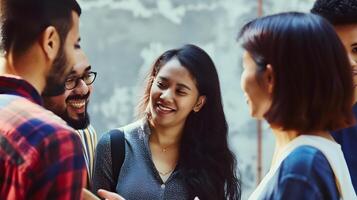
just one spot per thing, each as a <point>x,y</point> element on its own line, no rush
<point>87,195</point>
<point>109,195</point>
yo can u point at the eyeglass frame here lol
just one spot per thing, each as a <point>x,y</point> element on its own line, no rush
<point>81,78</point>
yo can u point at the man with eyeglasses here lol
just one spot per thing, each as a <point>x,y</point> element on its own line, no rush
<point>72,106</point>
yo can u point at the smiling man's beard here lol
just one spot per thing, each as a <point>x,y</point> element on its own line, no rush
<point>81,123</point>
<point>55,79</point>
<point>83,119</point>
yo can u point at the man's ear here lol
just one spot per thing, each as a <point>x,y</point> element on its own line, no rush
<point>269,75</point>
<point>200,103</point>
<point>50,42</point>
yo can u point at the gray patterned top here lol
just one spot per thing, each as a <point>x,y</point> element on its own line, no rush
<point>138,177</point>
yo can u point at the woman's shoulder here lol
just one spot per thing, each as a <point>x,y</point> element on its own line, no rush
<point>130,131</point>
<point>305,161</point>
<point>307,169</point>
<point>309,166</point>
<point>134,127</point>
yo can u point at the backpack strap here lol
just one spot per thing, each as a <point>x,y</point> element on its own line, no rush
<point>117,147</point>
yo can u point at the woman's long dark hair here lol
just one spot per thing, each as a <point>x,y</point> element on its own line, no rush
<point>208,166</point>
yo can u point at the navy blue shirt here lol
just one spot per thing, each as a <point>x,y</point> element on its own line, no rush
<point>347,138</point>
<point>304,174</point>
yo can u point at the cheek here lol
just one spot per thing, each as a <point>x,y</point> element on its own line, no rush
<point>186,104</point>
<point>243,81</point>
<point>72,54</point>
<point>58,104</point>
<point>353,61</point>
<point>247,80</point>
<point>90,90</point>
<point>90,87</point>
<point>153,90</point>
<point>67,93</point>
<point>154,93</point>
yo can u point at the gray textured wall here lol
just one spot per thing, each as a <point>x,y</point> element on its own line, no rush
<point>122,39</point>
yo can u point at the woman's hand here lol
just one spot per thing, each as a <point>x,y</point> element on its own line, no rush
<point>87,195</point>
<point>109,195</point>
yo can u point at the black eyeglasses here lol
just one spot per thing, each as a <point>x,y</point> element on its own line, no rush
<point>72,82</point>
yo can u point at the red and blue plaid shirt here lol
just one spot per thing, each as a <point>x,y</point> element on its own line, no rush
<point>40,157</point>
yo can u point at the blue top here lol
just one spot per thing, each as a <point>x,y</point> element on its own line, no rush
<point>347,138</point>
<point>138,178</point>
<point>304,174</point>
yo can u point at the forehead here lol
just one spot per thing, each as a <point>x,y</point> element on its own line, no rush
<point>347,32</point>
<point>73,34</point>
<point>174,71</point>
<point>75,20</point>
<point>81,63</point>
<point>248,60</point>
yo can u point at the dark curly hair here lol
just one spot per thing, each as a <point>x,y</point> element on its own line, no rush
<point>208,166</point>
<point>337,12</point>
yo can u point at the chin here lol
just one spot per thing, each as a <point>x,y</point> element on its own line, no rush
<point>161,122</point>
<point>256,115</point>
<point>80,122</point>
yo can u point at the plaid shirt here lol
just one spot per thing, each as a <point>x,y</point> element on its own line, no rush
<point>40,157</point>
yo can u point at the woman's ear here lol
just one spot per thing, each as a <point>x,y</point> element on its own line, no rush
<point>269,76</point>
<point>200,103</point>
<point>50,42</point>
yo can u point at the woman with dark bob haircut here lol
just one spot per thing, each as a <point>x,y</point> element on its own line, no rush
<point>297,76</point>
<point>178,149</point>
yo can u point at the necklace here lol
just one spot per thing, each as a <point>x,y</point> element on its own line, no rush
<point>160,146</point>
<point>165,173</point>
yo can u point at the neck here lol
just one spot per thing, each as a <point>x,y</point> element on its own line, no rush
<point>28,67</point>
<point>282,138</point>
<point>166,137</point>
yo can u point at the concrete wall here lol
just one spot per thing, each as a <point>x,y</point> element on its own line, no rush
<point>122,39</point>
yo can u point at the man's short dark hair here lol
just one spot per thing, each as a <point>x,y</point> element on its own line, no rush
<point>313,86</point>
<point>22,21</point>
<point>337,12</point>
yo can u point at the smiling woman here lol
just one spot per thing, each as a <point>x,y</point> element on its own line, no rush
<point>296,75</point>
<point>173,95</point>
<point>178,149</point>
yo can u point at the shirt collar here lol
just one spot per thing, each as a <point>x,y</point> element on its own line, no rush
<point>15,85</point>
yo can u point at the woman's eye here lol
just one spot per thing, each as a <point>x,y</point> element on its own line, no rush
<point>181,92</point>
<point>354,49</point>
<point>160,84</point>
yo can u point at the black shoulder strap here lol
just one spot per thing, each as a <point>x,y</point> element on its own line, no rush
<point>117,147</point>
